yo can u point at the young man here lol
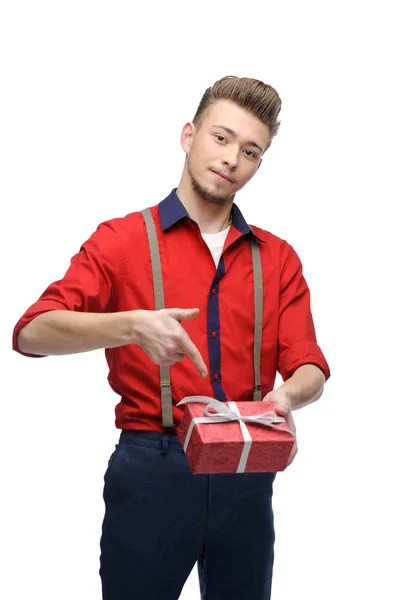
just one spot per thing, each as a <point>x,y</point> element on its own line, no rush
<point>159,517</point>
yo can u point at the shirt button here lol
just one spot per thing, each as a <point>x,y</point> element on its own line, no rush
<point>214,334</point>
<point>213,291</point>
<point>216,376</point>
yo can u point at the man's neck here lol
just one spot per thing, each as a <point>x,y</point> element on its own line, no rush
<point>211,218</point>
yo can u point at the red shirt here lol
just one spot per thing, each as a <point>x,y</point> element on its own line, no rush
<point>112,272</point>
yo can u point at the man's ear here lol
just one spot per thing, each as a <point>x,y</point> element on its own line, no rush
<point>187,136</point>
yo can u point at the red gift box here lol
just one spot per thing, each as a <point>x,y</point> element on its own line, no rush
<point>229,437</point>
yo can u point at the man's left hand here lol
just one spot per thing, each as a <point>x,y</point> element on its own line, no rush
<point>283,408</point>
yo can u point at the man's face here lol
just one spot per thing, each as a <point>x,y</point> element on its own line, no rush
<point>225,151</point>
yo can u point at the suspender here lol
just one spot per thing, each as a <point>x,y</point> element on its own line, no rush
<point>258,295</point>
<point>166,390</point>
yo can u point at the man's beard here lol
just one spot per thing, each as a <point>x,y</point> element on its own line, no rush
<point>208,196</point>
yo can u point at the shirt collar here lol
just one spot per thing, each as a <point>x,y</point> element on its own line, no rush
<point>171,211</point>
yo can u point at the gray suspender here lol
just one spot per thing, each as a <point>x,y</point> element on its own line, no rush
<point>155,259</point>
<point>166,390</point>
<point>258,295</point>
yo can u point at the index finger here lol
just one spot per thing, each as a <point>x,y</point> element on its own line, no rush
<point>189,348</point>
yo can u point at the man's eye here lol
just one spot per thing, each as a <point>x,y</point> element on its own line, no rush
<point>220,138</point>
<point>251,154</point>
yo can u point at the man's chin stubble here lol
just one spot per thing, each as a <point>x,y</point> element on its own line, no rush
<point>215,199</point>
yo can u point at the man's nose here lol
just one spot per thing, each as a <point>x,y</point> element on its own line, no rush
<point>230,158</point>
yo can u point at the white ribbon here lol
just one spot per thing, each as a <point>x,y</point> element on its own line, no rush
<point>222,412</point>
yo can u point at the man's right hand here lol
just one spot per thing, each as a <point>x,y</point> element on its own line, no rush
<point>162,337</point>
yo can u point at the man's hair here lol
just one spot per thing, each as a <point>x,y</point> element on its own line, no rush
<point>257,97</point>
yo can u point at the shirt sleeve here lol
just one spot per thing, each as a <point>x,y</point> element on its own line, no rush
<point>297,338</point>
<point>90,283</point>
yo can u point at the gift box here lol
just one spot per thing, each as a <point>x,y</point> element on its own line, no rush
<point>230,437</point>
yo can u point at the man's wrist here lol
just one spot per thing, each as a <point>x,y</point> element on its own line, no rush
<point>304,386</point>
<point>291,392</point>
<point>134,318</point>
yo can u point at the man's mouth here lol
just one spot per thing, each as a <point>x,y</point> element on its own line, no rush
<point>223,176</point>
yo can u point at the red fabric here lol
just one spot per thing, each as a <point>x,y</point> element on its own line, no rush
<point>217,447</point>
<point>112,272</point>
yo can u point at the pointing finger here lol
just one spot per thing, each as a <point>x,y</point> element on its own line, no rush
<point>194,354</point>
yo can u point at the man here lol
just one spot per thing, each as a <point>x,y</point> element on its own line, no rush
<point>159,517</point>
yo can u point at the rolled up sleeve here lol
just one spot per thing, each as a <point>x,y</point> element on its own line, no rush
<point>297,337</point>
<point>89,285</point>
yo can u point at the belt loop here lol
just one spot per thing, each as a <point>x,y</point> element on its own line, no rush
<point>164,444</point>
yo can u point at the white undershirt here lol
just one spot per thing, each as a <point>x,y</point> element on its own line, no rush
<point>215,243</point>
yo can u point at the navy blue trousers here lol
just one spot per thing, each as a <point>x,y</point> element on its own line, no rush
<point>160,519</point>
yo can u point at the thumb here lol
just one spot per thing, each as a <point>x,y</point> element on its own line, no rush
<point>183,314</point>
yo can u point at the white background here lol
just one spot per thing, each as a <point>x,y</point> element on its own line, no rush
<point>93,98</point>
